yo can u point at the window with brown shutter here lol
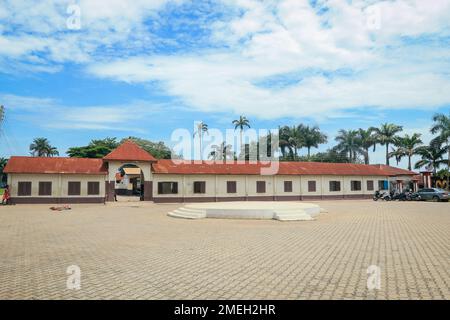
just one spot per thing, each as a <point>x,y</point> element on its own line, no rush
<point>45,188</point>
<point>231,186</point>
<point>199,187</point>
<point>260,187</point>
<point>93,188</point>
<point>24,188</point>
<point>311,186</point>
<point>288,186</point>
<point>335,186</point>
<point>370,185</point>
<point>74,188</point>
<point>355,185</point>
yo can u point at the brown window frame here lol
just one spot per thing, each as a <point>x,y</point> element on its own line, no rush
<point>199,187</point>
<point>381,184</point>
<point>173,187</point>
<point>96,190</point>
<point>355,185</point>
<point>261,186</point>
<point>288,186</point>
<point>24,188</point>
<point>335,186</point>
<point>231,187</point>
<point>312,186</point>
<point>73,188</point>
<point>370,185</point>
<point>45,188</point>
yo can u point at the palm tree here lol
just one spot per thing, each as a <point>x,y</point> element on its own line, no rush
<point>406,147</point>
<point>221,152</point>
<point>283,139</point>
<point>3,162</point>
<point>385,135</point>
<point>432,155</point>
<point>367,140</point>
<point>349,143</point>
<point>441,126</point>
<point>241,124</point>
<point>312,137</point>
<point>201,129</point>
<point>41,148</point>
<point>295,138</point>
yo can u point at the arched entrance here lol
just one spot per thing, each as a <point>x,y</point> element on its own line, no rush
<point>129,183</point>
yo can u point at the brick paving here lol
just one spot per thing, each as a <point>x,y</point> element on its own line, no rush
<point>134,251</point>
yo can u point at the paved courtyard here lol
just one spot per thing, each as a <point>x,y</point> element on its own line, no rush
<point>134,251</point>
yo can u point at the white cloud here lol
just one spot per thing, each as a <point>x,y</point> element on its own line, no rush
<point>328,59</point>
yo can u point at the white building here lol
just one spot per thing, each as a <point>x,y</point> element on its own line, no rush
<point>79,180</point>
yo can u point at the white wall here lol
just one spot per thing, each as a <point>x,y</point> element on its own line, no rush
<point>59,183</point>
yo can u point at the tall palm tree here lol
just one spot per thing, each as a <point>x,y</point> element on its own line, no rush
<point>283,139</point>
<point>406,147</point>
<point>432,155</point>
<point>441,126</point>
<point>295,138</point>
<point>222,151</point>
<point>240,124</point>
<point>201,129</point>
<point>349,143</point>
<point>367,140</point>
<point>385,135</point>
<point>41,148</point>
<point>312,137</point>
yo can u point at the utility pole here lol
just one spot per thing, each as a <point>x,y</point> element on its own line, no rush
<point>2,115</point>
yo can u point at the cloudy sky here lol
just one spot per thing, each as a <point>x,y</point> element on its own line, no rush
<point>81,69</point>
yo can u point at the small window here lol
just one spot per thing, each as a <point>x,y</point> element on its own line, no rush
<point>260,187</point>
<point>355,185</point>
<point>24,188</point>
<point>288,186</point>
<point>167,187</point>
<point>369,185</point>
<point>382,184</point>
<point>93,188</point>
<point>45,188</point>
<point>74,188</point>
<point>311,186</point>
<point>231,186</point>
<point>199,187</point>
<point>335,186</point>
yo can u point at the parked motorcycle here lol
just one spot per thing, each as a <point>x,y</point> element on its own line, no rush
<point>381,196</point>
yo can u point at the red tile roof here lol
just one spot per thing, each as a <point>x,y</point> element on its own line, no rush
<point>393,171</point>
<point>55,165</point>
<point>285,168</point>
<point>129,151</point>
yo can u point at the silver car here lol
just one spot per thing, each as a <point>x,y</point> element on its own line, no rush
<point>434,194</point>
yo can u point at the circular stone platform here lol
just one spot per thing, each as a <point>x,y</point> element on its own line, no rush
<point>283,211</point>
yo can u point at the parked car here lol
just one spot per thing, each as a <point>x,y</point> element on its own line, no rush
<point>434,194</point>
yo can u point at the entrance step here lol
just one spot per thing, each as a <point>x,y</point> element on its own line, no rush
<point>292,215</point>
<point>187,213</point>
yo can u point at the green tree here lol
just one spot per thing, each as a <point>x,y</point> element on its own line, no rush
<point>441,126</point>
<point>95,149</point>
<point>284,141</point>
<point>349,143</point>
<point>385,135</point>
<point>406,147</point>
<point>157,149</point>
<point>3,162</point>
<point>367,140</point>
<point>222,151</point>
<point>241,124</point>
<point>201,129</point>
<point>40,147</point>
<point>432,155</point>
<point>312,137</point>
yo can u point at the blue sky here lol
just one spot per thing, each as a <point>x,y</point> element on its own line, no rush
<point>146,68</point>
